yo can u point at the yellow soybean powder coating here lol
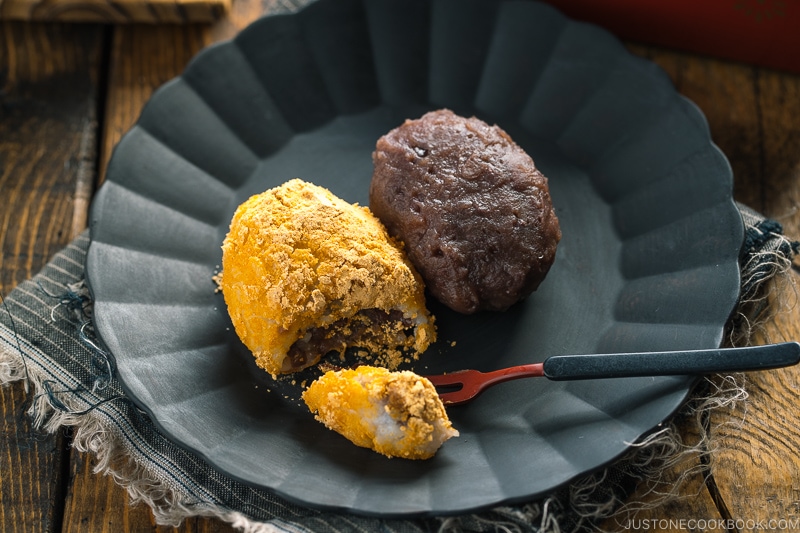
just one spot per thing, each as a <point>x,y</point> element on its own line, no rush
<point>397,414</point>
<point>305,273</point>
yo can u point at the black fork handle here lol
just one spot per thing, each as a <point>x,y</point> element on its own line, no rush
<point>672,363</point>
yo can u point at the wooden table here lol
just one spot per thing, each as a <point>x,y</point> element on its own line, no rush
<point>68,92</point>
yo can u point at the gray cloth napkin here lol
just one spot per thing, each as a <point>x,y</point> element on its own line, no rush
<point>46,338</point>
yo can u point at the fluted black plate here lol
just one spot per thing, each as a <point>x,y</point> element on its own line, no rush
<point>648,260</point>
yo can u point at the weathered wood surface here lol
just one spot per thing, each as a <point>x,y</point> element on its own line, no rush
<point>115,11</point>
<point>48,130</point>
<point>70,92</point>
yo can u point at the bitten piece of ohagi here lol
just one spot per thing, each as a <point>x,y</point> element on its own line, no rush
<point>397,414</point>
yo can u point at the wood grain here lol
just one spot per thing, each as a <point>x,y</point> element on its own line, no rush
<point>48,97</point>
<point>116,11</point>
<point>756,465</point>
<point>31,464</point>
<point>96,503</point>
<point>47,119</point>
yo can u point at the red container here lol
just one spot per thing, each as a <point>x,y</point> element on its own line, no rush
<point>761,32</point>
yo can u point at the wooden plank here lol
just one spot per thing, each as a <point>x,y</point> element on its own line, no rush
<point>96,503</point>
<point>116,11</point>
<point>30,469</point>
<point>47,137</point>
<point>48,133</point>
<point>779,105</point>
<point>757,466</point>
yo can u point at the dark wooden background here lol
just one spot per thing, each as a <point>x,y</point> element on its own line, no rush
<point>68,92</point>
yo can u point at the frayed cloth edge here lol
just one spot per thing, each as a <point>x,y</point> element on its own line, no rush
<point>92,435</point>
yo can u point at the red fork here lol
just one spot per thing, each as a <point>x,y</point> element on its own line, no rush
<point>463,385</point>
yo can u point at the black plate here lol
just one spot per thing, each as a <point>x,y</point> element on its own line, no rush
<point>648,260</point>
